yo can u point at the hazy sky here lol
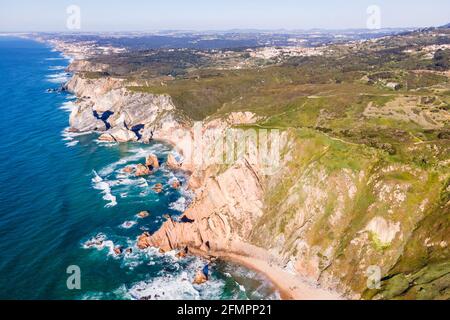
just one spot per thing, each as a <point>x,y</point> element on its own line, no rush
<point>146,15</point>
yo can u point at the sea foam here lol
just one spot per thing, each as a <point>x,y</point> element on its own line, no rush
<point>105,188</point>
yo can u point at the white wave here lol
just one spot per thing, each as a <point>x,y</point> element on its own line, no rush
<point>100,242</point>
<point>59,78</point>
<point>69,136</point>
<point>106,143</point>
<point>178,285</point>
<point>55,68</point>
<point>128,224</point>
<point>180,205</point>
<point>105,188</point>
<point>137,154</point>
<point>54,59</point>
<point>68,106</point>
<point>72,143</point>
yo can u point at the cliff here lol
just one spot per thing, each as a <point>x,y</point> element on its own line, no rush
<point>336,212</point>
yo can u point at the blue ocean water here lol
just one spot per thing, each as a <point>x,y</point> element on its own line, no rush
<point>59,191</point>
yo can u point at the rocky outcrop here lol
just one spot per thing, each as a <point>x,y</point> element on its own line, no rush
<point>172,163</point>
<point>225,210</point>
<point>104,105</point>
<point>142,170</point>
<point>152,161</point>
<point>118,134</point>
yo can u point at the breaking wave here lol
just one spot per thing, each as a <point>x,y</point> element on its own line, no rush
<point>105,188</point>
<point>59,78</point>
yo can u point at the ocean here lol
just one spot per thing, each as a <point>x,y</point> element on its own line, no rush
<point>61,191</point>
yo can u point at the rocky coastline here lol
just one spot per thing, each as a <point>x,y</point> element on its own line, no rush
<point>320,227</point>
<point>226,205</point>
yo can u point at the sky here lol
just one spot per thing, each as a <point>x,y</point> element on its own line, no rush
<point>151,15</point>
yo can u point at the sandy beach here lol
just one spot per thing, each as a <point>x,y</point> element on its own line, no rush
<point>290,286</point>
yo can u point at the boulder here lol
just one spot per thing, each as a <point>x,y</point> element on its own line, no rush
<point>118,250</point>
<point>106,137</point>
<point>152,161</point>
<point>143,214</point>
<point>172,163</point>
<point>142,170</point>
<point>128,169</point>
<point>176,184</point>
<point>200,278</point>
<point>118,134</point>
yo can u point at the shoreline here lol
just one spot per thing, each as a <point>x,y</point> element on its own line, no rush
<point>289,286</point>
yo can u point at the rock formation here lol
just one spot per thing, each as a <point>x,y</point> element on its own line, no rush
<point>152,161</point>
<point>142,170</point>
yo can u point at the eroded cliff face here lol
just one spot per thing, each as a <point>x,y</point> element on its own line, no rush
<point>339,213</point>
<point>104,105</point>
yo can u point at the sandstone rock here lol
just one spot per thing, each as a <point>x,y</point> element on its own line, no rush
<point>118,250</point>
<point>172,163</point>
<point>176,184</point>
<point>152,161</point>
<point>142,242</point>
<point>182,253</point>
<point>200,278</point>
<point>143,214</point>
<point>118,134</point>
<point>142,170</point>
<point>128,169</point>
<point>106,137</point>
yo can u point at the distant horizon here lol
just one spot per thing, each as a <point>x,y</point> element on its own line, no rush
<point>206,16</point>
<point>248,30</point>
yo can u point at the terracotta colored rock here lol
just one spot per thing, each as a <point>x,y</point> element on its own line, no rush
<point>143,214</point>
<point>142,242</point>
<point>176,184</point>
<point>200,278</point>
<point>152,161</point>
<point>128,169</point>
<point>172,163</point>
<point>106,137</point>
<point>183,253</point>
<point>142,170</point>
